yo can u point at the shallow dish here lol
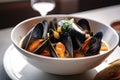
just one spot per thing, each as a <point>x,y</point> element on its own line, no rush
<point>116,25</point>
<point>64,66</point>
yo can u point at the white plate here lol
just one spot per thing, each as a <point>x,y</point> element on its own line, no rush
<point>19,69</point>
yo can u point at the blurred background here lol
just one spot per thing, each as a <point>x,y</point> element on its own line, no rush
<point>14,11</point>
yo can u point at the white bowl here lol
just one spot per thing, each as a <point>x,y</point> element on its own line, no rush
<point>64,66</point>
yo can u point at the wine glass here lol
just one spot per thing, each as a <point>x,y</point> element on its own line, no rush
<point>43,6</point>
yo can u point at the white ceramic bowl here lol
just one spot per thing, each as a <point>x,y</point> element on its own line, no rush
<point>64,66</point>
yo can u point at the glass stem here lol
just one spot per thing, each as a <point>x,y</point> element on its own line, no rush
<point>43,13</point>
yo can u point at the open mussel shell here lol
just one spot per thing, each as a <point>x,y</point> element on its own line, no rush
<point>84,24</point>
<point>67,41</point>
<point>77,38</point>
<point>41,47</point>
<point>35,33</point>
<point>38,32</point>
<point>52,49</point>
<point>53,24</point>
<point>94,45</point>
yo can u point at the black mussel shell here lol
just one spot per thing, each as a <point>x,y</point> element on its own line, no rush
<point>41,47</point>
<point>95,44</point>
<point>67,41</point>
<point>53,24</point>
<point>52,49</point>
<point>77,38</point>
<point>84,24</point>
<point>35,33</point>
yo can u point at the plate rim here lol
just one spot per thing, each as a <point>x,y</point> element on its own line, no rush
<point>7,67</point>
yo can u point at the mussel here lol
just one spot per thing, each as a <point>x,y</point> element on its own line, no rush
<point>67,41</point>
<point>61,39</point>
<point>84,24</point>
<point>53,24</point>
<point>62,47</point>
<point>35,40</point>
<point>92,45</point>
<point>77,38</point>
<point>34,34</point>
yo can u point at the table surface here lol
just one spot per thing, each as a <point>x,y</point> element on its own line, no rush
<point>105,15</point>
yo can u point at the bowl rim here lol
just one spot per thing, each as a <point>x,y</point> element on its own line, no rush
<point>53,58</point>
